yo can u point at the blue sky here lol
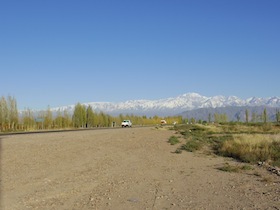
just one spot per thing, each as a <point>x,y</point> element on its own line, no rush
<point>61,52</point>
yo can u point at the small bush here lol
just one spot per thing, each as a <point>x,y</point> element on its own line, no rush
<point>267,127</point>
<point>192,146</point>
<point>275,147</point>
<point>178,151</point>
<point>173,140</point>
<point>247,167</point>
<point>229,168</point>
<point>276,163</point>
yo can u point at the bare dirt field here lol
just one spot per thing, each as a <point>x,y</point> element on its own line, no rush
<point>129,168</point>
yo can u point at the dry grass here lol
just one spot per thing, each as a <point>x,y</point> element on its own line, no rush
<point>257,128</point>
<point>237,128</point>
<point>246,142</point>
<point>253,148</point>
<point>213,128</point>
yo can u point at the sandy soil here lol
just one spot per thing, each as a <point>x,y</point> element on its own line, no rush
<point>129,168</point>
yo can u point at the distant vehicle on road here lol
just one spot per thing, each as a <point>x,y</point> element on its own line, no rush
<point>126,123</point>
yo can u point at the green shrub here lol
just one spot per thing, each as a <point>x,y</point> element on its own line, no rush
<point>178,151</point>
<point>173,140</point>
<point>247,167</point>
<point>192,145</point>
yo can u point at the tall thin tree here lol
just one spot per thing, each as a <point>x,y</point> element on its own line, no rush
<point>247,115</point>
<point>264,115</point>
<point>79,116</point>
<point>277,115</point>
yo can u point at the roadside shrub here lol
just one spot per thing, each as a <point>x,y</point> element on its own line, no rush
<point>192,145</point>
<point>220,138</point>
<point>267,127</point>
<point>173,140</point>
<point>247,167</point>
<point>192,130</point>
<point>275,147</point>
<point>217,140</point>
<point>230,168</point>
<point>178,151</point>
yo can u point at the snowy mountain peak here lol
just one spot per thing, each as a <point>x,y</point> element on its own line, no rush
<point>172,106</point>
<point>191,95</point>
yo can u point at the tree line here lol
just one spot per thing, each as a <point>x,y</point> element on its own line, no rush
<point>249,117</point>
<point>85,117</point>
<point>82,117</point>
<point>8,113</point>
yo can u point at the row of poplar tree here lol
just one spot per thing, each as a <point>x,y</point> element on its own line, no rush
<point>223,118</point>
<point>82,117</point>
<point>85,117</point>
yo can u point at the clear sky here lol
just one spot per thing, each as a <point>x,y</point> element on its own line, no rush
<point>61,52</point>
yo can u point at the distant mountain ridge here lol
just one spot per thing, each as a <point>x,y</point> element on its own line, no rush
<point>233,113</point>
<point>175,105</point>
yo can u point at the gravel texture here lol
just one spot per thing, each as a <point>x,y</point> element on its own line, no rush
<point>128,168</point>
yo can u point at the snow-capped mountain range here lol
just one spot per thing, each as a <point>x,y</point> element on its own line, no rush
<point>173,106</point>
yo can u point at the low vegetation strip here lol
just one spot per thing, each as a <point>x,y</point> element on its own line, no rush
<point>245,142</point>
<point>231,168</point>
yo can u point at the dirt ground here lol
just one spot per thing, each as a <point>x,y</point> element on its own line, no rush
<point>129,168</point>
